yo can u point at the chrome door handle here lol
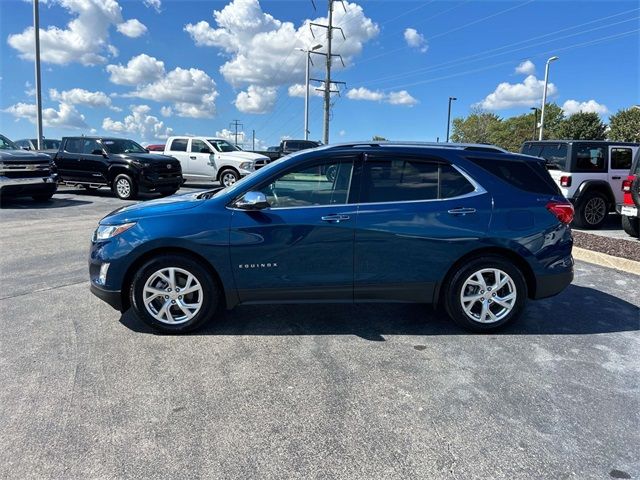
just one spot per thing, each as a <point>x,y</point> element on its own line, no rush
<point>192,158</point>
<point>335,218</point>
<point>461,211</point>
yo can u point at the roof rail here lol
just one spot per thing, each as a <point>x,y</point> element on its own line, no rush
<point>460,146</point>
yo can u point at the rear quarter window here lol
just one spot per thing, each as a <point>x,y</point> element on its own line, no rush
<point>526,175</point>
<point>179,145</point>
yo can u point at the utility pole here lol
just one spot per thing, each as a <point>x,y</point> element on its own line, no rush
<point>235,124</point>
<point>449,116</point>
<point>253,139</point>
<point>36,31</point>
<point>308,53</point>
<point>327,79</point>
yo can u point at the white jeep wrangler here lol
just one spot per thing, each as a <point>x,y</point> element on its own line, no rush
<point>589,174</point>
<point>209,159</point>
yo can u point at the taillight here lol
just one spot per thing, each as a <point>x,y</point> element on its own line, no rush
<point>565,181</point>
<point>562,210</point>
<point>626,184</point>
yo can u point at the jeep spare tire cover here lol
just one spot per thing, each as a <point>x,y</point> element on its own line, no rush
<point>635,191</point>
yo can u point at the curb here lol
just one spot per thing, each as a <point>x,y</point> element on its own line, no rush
<point>604,260</point>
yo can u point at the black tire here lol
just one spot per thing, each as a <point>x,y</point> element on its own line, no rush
<point>635,191</point>
<point>228,173</point>
<point>121,191</point>
<point>631,225</point>
<point>210,301</point>
<point>453,290</point>
<point>43,197</point>
<point>591,211</point>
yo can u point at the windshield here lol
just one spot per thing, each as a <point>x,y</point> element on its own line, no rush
<point>6,144</point>
<point>122,146</point>
<point>223,145</point>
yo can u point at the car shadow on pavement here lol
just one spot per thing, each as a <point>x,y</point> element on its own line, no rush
<point>576,311</point>
<point>20,203</point>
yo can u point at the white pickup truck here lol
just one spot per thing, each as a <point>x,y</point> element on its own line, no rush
<point>209,159</point>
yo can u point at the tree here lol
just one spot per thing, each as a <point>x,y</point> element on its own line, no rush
<point>625,125</point>
<point>378,138</point>
<point>582,126</point>
<point>512,132</point>
<point>476,128</point>
<point>553,118</point>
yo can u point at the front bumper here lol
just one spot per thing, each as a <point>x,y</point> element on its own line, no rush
<point>28,186</point>
<point>112,297</point>
<point>153,183</point>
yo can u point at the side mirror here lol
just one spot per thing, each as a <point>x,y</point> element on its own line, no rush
<point>25,148</point>
<point>205,150</point>
<point>97,151</point>
<point>252,201</point>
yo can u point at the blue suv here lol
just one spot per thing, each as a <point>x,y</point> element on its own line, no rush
<point>471,227</point>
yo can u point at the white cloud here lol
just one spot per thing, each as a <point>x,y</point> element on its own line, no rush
<point>84,39</point>
<point>156,4</point>
<point>80,96</point>
<point>362,93</point>
<point>573,106</point>
<point>401,97</point>
<point>132,28</point>
<point>256,99</point>
<point>299,90</point>
<point>262,48</point>
<point>140,124</point>
<point>166,111</point>
<point>65,117</point>
<point>525,94</point>
<point>29,89</point>
<point>526,68</point>
<point>415,39</point>
<point>139,70</point>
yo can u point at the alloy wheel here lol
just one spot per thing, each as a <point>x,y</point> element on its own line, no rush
<point>488,295</point>
<point>228,179</point>
<point>595,210</point>
<point>123,187</point>
<point>172,295</point>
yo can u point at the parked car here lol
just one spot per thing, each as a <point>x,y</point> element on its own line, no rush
<point>155,148</point>
<point>210,159</point>
<point>630,205</point>
<point>477,229</point>
<point>25,173</point>
<point>118,163</point>
<point>589,174</point>
<point>49,145</point>
<point>286,147</point>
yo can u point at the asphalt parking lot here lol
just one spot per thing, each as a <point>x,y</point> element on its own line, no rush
<point>369,391</point>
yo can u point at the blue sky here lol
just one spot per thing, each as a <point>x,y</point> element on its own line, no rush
<point>146,69</point>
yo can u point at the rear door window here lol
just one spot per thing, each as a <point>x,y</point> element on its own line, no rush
<point>179,145</point>
<point>590,158</point>
<point>74,145</point>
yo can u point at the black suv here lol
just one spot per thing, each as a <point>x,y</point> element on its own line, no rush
<point>121,164</point>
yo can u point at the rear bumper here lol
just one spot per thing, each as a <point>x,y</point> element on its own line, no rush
<point>112,297</point>
<point>553,284</point>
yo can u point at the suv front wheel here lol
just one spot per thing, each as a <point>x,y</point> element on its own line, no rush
<point>485,294</point>
<point>591,211</point>
<point>174,294</point>
<point>124,187</point>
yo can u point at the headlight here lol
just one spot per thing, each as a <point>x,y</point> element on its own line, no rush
<point>104,232</point>
<point>246,165</point>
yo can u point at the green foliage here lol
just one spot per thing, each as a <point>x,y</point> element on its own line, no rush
<point>625,125</point>
<point>553,118</point>
<point>582,126</point>
<point>514,131</point>
<point>377,138</point>
<point>476,128</point>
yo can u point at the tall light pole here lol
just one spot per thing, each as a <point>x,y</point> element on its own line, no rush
<point>544,93</point>
<point>36,32</point>
<point>449,116</point>
<point>306,95</point>
<point>535,122</point>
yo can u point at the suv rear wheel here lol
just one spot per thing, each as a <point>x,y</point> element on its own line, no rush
<point>591,211</point>
<point>124,187</point>
<point>174,294</point>
<point>485,294</point>
<point>631,225</point>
